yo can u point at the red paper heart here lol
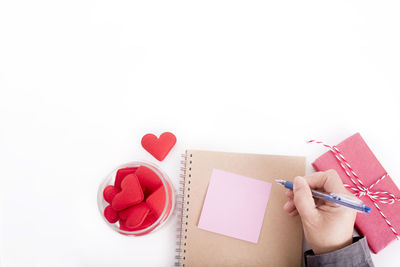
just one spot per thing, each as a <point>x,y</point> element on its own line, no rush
<point>130,194</point>
<point>159,147</point>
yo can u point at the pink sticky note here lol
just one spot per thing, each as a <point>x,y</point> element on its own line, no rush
<point>235,205</point>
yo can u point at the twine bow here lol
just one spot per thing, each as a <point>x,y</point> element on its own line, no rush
<point>358,187</point>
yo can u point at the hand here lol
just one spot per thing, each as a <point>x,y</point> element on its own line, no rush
<point>327,226</point>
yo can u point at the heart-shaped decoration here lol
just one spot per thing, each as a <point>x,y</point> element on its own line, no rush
<point>131,193</point>
<point>135,215</point>
<point>121,174</point>
<point>156,201</point>
<point>109,193</point>
<point>149,220</point>
<point>110,214</point>
<point>148,179</point>
<point>159,147</point>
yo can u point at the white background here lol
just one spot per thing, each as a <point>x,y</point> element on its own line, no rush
<point>82,81</point>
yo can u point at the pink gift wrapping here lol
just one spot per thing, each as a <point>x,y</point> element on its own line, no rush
<point>368,169</point>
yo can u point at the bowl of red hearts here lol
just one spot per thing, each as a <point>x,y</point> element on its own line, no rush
<point>136,198</point>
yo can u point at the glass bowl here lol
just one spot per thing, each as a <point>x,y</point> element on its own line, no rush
<point>169,196</point>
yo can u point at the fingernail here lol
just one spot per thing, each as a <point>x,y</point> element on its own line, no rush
<point>299,182</point>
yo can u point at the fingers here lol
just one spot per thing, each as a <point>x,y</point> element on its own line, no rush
<point>289,194</point>
<point>329,181</point>
<point>294,213</point>
<point>303,199</point>
<point>290,208</point>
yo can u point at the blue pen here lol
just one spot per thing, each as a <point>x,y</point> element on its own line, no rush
<point>344,200</point>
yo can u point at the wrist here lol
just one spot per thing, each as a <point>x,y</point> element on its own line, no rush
<point>326,248</point>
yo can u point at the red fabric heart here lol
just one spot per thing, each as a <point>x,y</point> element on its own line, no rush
<point>130,194</point>
<point>134,216</point>
<point>123,226</point>
<point>121,174</point>
<point>156,201</point>
<point>148,179</point>
<point>109,193</point>
<point>110,214</point>
<point>159,147</point>
<point>150,219</point>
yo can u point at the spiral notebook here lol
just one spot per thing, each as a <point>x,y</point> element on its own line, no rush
<point>280,239</point>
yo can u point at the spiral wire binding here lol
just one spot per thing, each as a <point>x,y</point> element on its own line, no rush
<point>183,208</point>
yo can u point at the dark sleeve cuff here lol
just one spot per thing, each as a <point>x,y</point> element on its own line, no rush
<point>356,254</point>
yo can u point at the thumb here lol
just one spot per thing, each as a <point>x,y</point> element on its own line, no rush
<point>303,199</point>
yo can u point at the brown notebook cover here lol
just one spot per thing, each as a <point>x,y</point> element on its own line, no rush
<point>280,242</point>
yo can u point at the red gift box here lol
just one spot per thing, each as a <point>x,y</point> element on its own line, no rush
<point>359,169</point>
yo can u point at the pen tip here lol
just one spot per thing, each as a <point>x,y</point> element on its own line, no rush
<point>279,181</point>
<point>367,209</point>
